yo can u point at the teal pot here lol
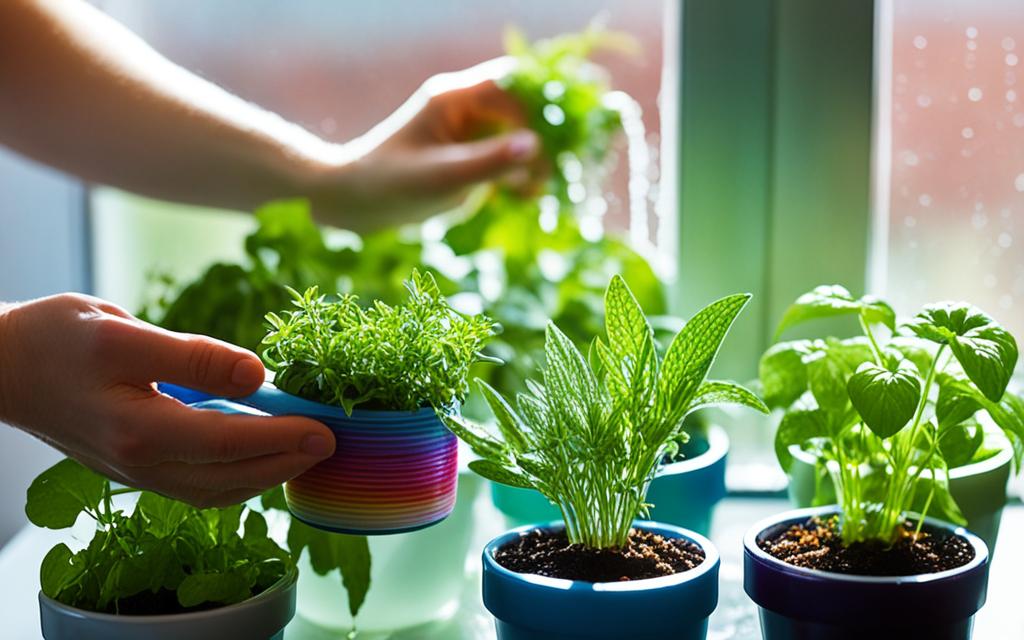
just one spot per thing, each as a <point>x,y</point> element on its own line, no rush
<point>979,489</point>
<point>262,617</point>
<point>808,604</point>
<point>683,493</point>
<point>532,607</point>
<point>416,578</point>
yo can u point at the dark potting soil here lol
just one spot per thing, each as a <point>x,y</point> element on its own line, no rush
<point>648,555</point>
<point>147,603</point>
<point>817,544</point>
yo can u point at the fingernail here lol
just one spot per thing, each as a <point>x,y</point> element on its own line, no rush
<point>522,145</point>
<point>247,373</point>
<point>316,445</point>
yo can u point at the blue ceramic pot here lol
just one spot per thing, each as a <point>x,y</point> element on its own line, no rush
<point>807,604</point>
<point>391,472</point>
<point>532,607</point>
<point>683,493</point>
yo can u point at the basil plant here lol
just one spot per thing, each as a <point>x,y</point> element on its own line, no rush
<point>591,433</point>
<point>889,412</point>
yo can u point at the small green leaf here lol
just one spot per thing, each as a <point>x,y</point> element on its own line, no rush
<point>886,400</point>
<point>797,427</point>
<point>57,570</point>
<point>163,515</point>
<point>59,494</point>
<point>829,301</point>
<point>783,373</point>
<point>717,392</point>
<point>225,588</point>
<point>959,441</point>
<point>827,375</point>
<point>955,402</point>
<point>512,427</point>
<point>496,473</point>
<point>329,551</point>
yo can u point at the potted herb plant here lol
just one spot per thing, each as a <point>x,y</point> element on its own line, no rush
<point>166,571</point>
<point>589,436</point>
<point>884,415</point>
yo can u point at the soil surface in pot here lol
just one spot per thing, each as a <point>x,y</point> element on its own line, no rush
<point>648,555</point>
<point>817,544</point>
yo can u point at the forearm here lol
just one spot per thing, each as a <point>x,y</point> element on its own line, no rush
<point>82,93</point>
<point>5,356</point>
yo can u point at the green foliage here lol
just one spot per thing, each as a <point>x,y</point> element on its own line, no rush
<point>162,546</point>
<point>591,435</point>
<point>397,358</point>
<point>882,409</point>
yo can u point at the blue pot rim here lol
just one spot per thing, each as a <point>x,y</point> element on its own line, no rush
<point>981,554</point>
<point>710,563</point>
<point>718,448</point>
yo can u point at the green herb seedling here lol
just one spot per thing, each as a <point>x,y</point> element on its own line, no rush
<point>165,557</point>
<point>592,433</point>
<point>882,409</point>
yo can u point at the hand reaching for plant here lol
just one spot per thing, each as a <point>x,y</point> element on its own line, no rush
<point>78,373</point>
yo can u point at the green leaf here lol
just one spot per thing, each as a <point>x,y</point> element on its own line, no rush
<point>718,392</point>
<point>798,426</point>
<point>329,551</point>
<point>511,426</point>
<point>955,402</point>
<point>59,494</point>
<point>163,515</point>
<point>274,499</point>
<point>479,440</point>
<point>829,301</point>
<point>959,441</point>
<point>886,400</point>
<point>986,351</point>
<point>827,375</point>
<point>225,588</point>
<point>57,571</point>
<point>783,373</point>
<point>502,475</point>
<point>693,351</point>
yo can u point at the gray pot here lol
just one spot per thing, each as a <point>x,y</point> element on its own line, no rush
<point>258,618</point>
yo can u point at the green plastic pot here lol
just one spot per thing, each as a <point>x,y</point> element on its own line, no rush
<point>979,489</point>
<point>683,493</point>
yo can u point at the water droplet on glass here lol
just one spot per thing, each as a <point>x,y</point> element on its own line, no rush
<point>1008,43</point>
<point>924,200</point>
<point>1018,182</point>
<point>972,32</point>
<point>967,132</point>
<point>555,116</point>
<point>979,220</point>
<point>910,222</point>
<point>1018,119</point>
<point>923,101</point>
<point>1005,240</point>
<point>920,42</point>
<point>973,94</point>
<point>553,89</point>
<point>1011,95</point>
<point>910,158</point>
<point>1011,59</point>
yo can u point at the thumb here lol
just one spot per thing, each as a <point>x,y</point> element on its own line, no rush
<point>142,353</point>
<point>457,165</point>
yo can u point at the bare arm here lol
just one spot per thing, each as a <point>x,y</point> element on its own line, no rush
<point>84,94</point>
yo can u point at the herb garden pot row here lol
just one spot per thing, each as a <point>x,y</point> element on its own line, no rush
<point>684,493</point>
<point>979,488</point>
<point>810,604</point>
<point>262,617</point>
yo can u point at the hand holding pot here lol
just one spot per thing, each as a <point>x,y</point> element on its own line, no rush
<point>78,373</point>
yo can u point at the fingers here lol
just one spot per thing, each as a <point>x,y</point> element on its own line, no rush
<point>143,353</point>
<point>158,429</point>
<point>255,474</point>
<point>459,165</point>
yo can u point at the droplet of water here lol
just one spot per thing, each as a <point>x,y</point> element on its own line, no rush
<point>1004,240</point>
<point>553,89</point>
<point>925,200</point>
<point>920,42</point>
<point>971,45</point>
<point>910,222</point>
<point>910,158</point>
<point>972,32</point>
<point>1011,95</point>
<point>1008,43</point>
<point>1018,119</point>
<point>979,220</point>
<point>974,94</point>
<point>1011,59</point>
<point>923,101</point>
<point>967,132</point>
<point>1018,182</point>
<point>554,114</point>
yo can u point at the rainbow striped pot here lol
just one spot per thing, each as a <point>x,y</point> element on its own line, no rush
<point>392,471</point>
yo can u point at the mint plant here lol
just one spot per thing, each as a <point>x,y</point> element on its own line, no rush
<point>164,557</point>
<point>887,413</point>
<point>400,358</point>
<point>592,432</point>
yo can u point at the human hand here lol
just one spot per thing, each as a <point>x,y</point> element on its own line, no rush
<point>78,373</point>
<point>458,130</point>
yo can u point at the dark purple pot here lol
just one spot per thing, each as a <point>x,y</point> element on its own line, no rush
<point>806,604</point>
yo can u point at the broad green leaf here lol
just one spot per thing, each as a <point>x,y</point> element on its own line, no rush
<point>630,339</point>
<point>226,588</point>
<point>833,300</point>
<point>57,570</point>
<point>329,551</point>
<point>693,351</point>
<point>718,392</point>
<point>986,351</point>
<point>827,376</point>
<point>274,499</point>
<point>783,373</point>
<point>959,441</point>
<point>796,428</point>
<point>59,494</point>
<point>886,400</point>
<point>496,473</point>
<point>955,404</point>
<point>255,527</point>
<point>163,515</point>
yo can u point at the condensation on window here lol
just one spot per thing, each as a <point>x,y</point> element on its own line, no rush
<point>955,223</point>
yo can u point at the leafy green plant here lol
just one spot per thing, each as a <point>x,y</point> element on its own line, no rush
<point>592,433</point>
<point>889,412</point>
<point>164,557</point>
<point>398,358</point>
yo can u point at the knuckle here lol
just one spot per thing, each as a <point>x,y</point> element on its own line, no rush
<point>128,445</point>
<point>201,358</point>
